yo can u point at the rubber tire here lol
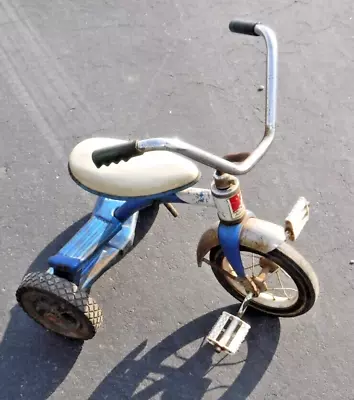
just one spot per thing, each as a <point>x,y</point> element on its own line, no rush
<point>68,293</point>
<point>290,261</point>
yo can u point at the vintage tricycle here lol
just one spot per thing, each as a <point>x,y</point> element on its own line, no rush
<point>250,257</point>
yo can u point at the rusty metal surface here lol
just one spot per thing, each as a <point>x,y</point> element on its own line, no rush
<point>172,210</point>
<point>197,196</point>
<point>261,235</point>
<point>268,265</point>
<point>224,181</point>
<point>256,234</point>
<point>208,240</point>
<point>248,282</point>
<point>130,69</point>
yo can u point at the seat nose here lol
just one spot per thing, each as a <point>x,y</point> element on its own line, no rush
<point>147,175</point>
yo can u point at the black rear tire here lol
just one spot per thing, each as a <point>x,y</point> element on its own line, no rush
<point>59,305</point>
<point>287,258</point>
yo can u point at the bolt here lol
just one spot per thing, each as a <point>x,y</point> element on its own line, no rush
<point>218,349</point>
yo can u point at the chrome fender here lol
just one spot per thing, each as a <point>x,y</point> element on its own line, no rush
<point>262,235</point>
<point>256,234</point>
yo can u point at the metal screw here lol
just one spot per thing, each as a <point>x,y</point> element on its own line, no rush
<point>218,349</point>
<point>260,88</point>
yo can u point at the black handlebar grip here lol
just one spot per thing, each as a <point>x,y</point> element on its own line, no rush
<point>115,154</point>
<point>243,27</point>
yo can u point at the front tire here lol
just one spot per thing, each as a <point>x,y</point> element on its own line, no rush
<point>290,261</point>
<point>59,305</point>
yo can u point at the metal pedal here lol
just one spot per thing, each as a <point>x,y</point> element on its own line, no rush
<point>297,218</point>
<point>228,333</point>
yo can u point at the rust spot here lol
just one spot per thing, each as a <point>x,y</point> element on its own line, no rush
<point>253,238</point>
<point>208,240</point>
<point>268,265</point>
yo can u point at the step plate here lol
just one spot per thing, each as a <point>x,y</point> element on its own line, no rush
<point>228,333</point>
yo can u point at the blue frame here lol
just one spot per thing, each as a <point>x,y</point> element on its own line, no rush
<point>110,232</point>
<point>229,238</point>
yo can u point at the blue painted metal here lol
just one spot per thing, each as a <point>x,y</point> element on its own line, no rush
<point>61,260</point>
<point>126,234</point>
<point>105,208</point>
<point>101,227</point>
<point>229,238</point>
<point>94,233</point>
<point>98,264</point>
<point>171,198</point>
<point>109,233</point>
<point>133,205</point>
<point>130,207</point>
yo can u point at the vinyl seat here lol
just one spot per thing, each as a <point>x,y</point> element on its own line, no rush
<point>146,175</point>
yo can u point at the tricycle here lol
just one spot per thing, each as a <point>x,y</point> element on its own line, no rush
<point>251,258</point>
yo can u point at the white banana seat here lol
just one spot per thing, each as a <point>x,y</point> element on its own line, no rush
<point>146,175</point>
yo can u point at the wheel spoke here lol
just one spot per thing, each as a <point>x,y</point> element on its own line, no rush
<point>251,255</point>
<point>281,284</point>
<point>285,273</point>
<point>281,290</point>
<point>252,266</point>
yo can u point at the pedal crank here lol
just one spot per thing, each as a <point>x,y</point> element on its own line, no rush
<point>244,305</point>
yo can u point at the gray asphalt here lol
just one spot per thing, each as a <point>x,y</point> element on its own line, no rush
<point>131,69</point>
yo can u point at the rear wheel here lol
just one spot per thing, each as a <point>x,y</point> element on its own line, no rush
<point>292,286</point>
<point>59,305</point>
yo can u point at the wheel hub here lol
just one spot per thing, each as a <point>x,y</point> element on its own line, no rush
<point>59,305</point>
<point>52,312</point>
<point>51,317</point>
<point>257,282</point>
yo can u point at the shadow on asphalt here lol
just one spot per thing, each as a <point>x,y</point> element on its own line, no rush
<point>32,367</point>
<point>190,381</point>
<point>33,361</point>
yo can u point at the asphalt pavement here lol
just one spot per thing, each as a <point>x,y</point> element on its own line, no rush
<point>136,69</point>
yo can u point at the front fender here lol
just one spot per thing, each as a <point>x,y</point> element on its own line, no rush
<point>208,240</point>
<point>256,234</point>
<point>261,235</point>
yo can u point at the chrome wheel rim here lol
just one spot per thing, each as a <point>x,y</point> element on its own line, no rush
<point>282,290</point>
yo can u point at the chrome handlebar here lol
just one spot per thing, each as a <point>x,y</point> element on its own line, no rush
<point>117,153</point>
<point>219,163</point>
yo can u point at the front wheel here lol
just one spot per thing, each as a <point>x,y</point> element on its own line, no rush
<point>292,286</point>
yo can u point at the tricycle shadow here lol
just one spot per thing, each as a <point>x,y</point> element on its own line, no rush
<point>139,376</point>
<point>31,365</point>
<point>34,362</point>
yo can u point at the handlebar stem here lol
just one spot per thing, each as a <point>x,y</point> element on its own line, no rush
<point>204,157</point>
<point>272,77</point>
<point>128,150</point>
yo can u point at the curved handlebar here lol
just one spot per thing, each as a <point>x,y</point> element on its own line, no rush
<point>132,149</point>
